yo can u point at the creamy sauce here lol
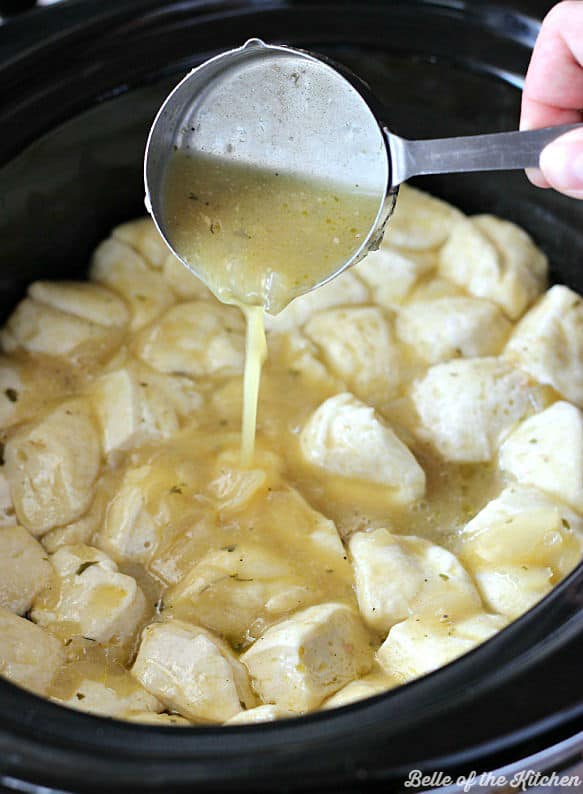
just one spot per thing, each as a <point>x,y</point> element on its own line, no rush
<point>259,239</point>
<point>255,355</point>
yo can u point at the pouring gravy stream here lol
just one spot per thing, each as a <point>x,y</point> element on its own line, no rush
<point>258,239</point>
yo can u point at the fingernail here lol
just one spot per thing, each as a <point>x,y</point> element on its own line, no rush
<point>535,175</point>
<point>562,163</point>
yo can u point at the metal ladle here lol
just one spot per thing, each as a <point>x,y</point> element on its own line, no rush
<point>284,109</point>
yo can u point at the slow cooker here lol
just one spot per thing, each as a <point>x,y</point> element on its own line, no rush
<point>80,83</point>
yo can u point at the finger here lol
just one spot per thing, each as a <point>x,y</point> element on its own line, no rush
<point>545,116</point>
<point>562,164</point>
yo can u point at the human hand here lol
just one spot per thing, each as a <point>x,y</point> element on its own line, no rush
<point>553,94</point>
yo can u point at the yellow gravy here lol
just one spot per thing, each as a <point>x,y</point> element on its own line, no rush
<point>258,239</point>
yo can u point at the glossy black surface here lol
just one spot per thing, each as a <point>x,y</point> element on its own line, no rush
<point>76,108</point>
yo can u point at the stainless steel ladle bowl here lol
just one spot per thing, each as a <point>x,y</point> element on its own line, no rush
<point>290,111</point>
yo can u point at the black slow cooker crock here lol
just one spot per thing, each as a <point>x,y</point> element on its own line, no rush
<point>79,86</point>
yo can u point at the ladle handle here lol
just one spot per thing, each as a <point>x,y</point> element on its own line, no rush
<point>500,151</point>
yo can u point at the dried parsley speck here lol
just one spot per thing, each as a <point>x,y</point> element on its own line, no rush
<point>84,566</point>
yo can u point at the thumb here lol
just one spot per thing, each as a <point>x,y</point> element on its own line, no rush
<point>562,164</point>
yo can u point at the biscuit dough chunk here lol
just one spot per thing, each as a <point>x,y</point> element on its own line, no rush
<point>29,655</point>
<point>420,221</point>
<point>94,599</point>
<point>82,299</point>
<point>346,437</point>
<point>229,589</point>
<point>24,569</point>
<point>299,662</point>
<point>495,260</point>
<point>196,338</point>
<point>375,683</point>
<point>52,466</point>
<point>143,236</point>
<point>192,672</point>
<point>466,406</point>
<point>391,274</point>
<point>419,645</point>
<point>548,343</point>
<point>152,718</point>
<point>114,697</point>
<point>358,345</point>
<point>183,282</point>
<point>265,713</point>
<point>518,546</point>
<point>397,576</point>
<point>41,329</point>
<point>447,328</point>
<point>129,412</point>
<point>119,267</point>
<point>546,451</point>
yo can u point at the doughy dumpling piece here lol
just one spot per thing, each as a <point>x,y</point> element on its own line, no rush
<point>465,406</point>
<point>38,328</point>
<point>303,358</point>
<point>192,672</point>
<point>129,531</point>
<point>121,269</point>
<point>6,506</point>
<point>434,288</point>
<point>230,588</point>
<point>358,345</point>
<point>82,299</point>
<point>548,342</point>
<point>512,590</point>
<point>24,569</point>
<point>346,437</point>
<point>130,413</point>
<point>419,645</point>
<point>344,290</point>
<point>11,387</point>
<point>157,502</point>
<point>519,545</point>
<point>375,683</point>
<point>29,655</point>
<point>420,221</point>
<point>234,487</point>
<point>151,718</point>
<point>196,338</point>
<point>143,236</point>
<point>391,275</point>
<point>397,576</point>
<point>184,284</point>
<point>546,451</point>
<point>447,328</point>
<point>297,663</point>
<point>52,467</point>
<point>94,600</point>
<point>496,260</point>
<point>113,697</point>
<point>266,713</point>
<point>81,530</point>
<point>524,525</point>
